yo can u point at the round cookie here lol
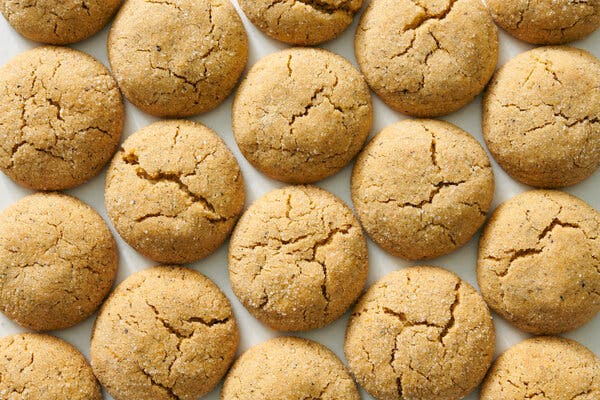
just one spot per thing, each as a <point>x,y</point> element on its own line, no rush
<point>61,117</point>
<point>297,258</point>
<point>539,261</point>
<point>302,114</point>
<point>289,368</point>
<point>420,333</point>
<point>43,367</point>
<point>58,261</point>
<point>176,59</point>
<point>541,116</point>
<point>174,191</point>
<point>426,58</point>
<point>422,188</point>
<point>164,333</point>
<point>544,367</point>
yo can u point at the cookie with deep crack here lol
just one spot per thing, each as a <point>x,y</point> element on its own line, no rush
<point>177,58</point>
<point>422,188</point>
<point>302,114</point>
<point>541,116</point>
<point>426,58</point>
<point>61,116</point>
<point>420,333</point>
<point>539,261</point>
<point>297,258</point>
<point>58,261</point>
<point>174,191</point>
<point>289,368</point>
<point>164,333</point>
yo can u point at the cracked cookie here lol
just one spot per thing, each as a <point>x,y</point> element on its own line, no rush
<point>176,58</point>
<point>539,261</point>
<point>426,57</point>
<point>61,116</point>
<point>289,368</point>
<point>541,116</point>
<point>297,258</point>
<point>58,261</point>
<point>174,191</point>
<point>44,367</point>
<point>302,114</point>
<point>422,188</point>
<point>544,368</point>
<point>165,333</point>
<point>420,333</point>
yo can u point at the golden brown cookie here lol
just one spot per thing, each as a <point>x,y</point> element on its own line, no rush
<point>420,333</point>
<point>289,368</point>
<point>61,117</point>
<point>422,188</point>
<point>541,116</point>
<point>177,58</point>
<point>428,57</point>
<point>297,258</point>
<point>165,333</point>
<point>539,261</point>
<point>174,191</point>
<point>302,114</point>
<point>58,261</point>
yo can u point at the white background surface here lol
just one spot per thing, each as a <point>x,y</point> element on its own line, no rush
<point>461,262</point>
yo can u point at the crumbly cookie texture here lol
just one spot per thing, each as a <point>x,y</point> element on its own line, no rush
<point>177,58</point>
<point>165,333</point>
<point>539,262</point>
<point>302,114</point>
<point>420,333</point>
<point>422,188</point>
<point>61,117</point>
<point>43,367</point>
<point>428,57</point>
<point>541,116</point>
<point>544,367</point>
<point>297,258</point>
<point>289,368</point>
<point>58,261</point>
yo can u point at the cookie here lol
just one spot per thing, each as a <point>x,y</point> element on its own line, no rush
<point>58,261</point>
<point>297,258</point>
<point>546,21</point>
<point>43,367</point>
<point>177,58</point>
<point>174,191</point>
<point>302,114</point>
<point>58,21</point>
<point>426,58</point>
<point>544,367</point>
<point>541,116</point>
<point>164,333</point>
<point>539,260</point>
<point>61,117</point>
<point>289,368</point>
<point>301,22</point>
<point>420,333</point>
<point>422,188</point>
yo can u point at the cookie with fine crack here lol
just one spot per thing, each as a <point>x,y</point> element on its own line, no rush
<point>164,333</point>
<point>420,333</point>
<point>426,58</point>
<point>177,58</point>
<point>541,116</point>
<point>174,191</point>
<point>422,188</point>
<point>297,258</point>
<point>289,368</point>
<point>539,261</point>
<point>302,114</point>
